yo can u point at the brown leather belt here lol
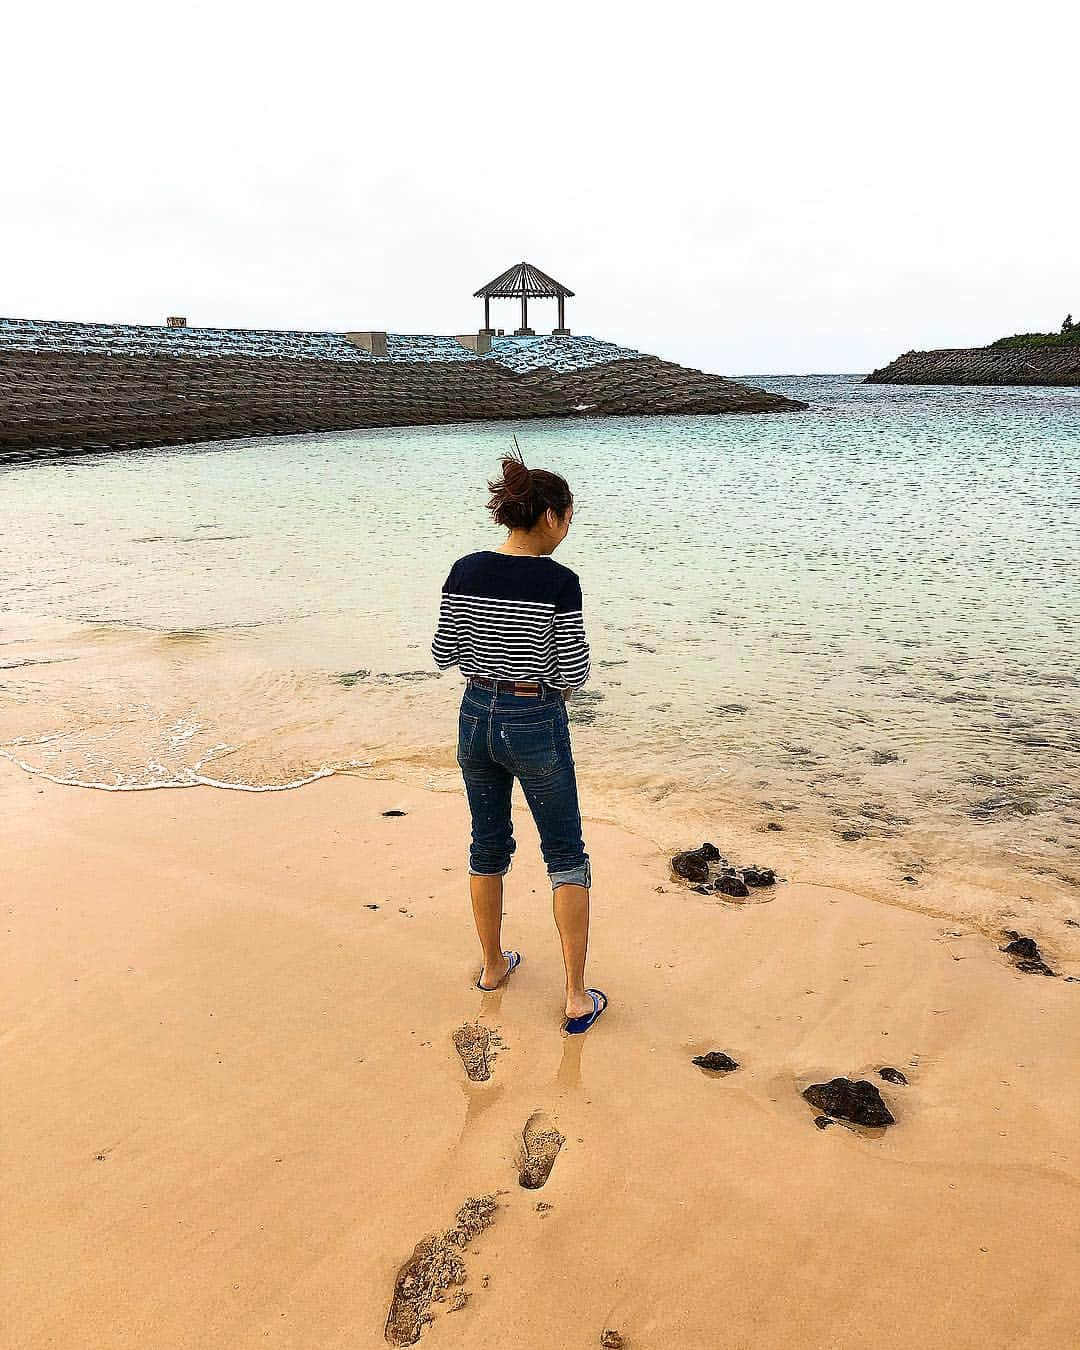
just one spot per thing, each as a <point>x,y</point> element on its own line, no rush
<point>507,686</point>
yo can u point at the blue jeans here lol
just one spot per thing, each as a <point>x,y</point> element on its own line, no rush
<point>503,736</point>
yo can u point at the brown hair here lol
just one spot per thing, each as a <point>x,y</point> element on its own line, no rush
<point>522,495</point>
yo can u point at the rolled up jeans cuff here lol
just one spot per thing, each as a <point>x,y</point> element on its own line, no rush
<point>474,873</point>
<point>574,876</point>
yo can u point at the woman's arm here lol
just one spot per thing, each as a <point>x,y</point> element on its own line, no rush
<point>444,645</point>
<point>570,641</point>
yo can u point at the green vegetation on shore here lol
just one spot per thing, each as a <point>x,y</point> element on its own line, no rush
<point>1070,334</point>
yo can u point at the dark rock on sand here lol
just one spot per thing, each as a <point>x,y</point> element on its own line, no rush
<point>395,813</point>
<point>1025,953</point>
<point>716,1061</point>
<point>859,1102</point>
<point>611,1340</point>
<point>692,865</point>
<point>707,868</point>
<point>774,825</point>
<point>823,1122</point>
<point>852,835</point>
<point>892,1075</point>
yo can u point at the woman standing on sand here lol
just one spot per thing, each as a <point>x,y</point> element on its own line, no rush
<point>510,618</point>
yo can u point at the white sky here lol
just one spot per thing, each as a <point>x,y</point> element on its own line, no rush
<point>766,187</point>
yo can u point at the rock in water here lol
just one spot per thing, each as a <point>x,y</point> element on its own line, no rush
<point>1026,947</point>
<point>717,1061</point>
<point>759,876</point>
<point>892,1075</point>
<point>692,865</point>
<point>710,853</point>
<point>730,885</point>
<point>859,1102</point>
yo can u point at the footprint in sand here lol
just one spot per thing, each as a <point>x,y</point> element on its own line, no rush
<point>540,1145</point>
<point>436,1269</point>
<point>477,1047</point>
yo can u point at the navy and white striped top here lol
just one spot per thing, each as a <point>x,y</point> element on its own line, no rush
<point>512,617</point>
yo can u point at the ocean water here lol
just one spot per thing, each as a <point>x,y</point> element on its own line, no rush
<point>860,623</point>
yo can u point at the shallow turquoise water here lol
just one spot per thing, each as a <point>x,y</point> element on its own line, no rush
<point>786,600</point>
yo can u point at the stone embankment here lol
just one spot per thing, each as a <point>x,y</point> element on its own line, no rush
<point>984,365</point>
<point>66,388</point>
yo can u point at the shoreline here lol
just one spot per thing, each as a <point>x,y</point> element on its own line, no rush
<point>988,903</point>
<point>234,1104</point>
<point>953,886</point>
<point>178,703</point>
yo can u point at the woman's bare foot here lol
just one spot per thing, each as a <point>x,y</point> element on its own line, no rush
<point>495,973</point>
<point>579,1004</point>
<point>490,976</point>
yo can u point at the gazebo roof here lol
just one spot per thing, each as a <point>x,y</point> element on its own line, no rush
<point>523,280</point>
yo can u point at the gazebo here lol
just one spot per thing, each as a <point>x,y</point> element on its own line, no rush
<point>524,282</point>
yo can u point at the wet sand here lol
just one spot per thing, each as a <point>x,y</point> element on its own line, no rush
<point>233,1103</point>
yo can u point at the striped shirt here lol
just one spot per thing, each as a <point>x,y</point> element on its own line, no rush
<point>512,617</point>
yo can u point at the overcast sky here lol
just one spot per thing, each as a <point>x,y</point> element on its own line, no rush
<point>767,187</point>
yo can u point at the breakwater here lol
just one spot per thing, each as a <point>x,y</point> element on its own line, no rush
<point>984,365</point>
<point>70,387</point>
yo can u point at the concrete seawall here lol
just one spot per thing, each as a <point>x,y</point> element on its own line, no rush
<point>984,365</point>
<point>66,389</point>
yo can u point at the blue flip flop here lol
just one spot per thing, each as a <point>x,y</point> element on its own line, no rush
<point>515,960</point>
<point>574,1026</point>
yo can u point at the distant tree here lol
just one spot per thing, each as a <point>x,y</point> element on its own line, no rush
<point>1068,325</point>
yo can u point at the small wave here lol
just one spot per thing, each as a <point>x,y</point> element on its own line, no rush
<point>192,779</point>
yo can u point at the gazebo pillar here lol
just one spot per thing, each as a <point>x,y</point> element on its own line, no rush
<point>487,328</point>
<point>524,330</point>
<point>562,330</point>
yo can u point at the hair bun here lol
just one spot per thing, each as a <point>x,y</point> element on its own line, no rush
<point>517,477</point>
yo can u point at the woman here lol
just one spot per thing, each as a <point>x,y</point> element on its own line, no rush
<point>510,618</point>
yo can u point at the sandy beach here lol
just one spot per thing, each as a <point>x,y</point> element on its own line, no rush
<point>233,1103</point>
<point>352,354</point>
